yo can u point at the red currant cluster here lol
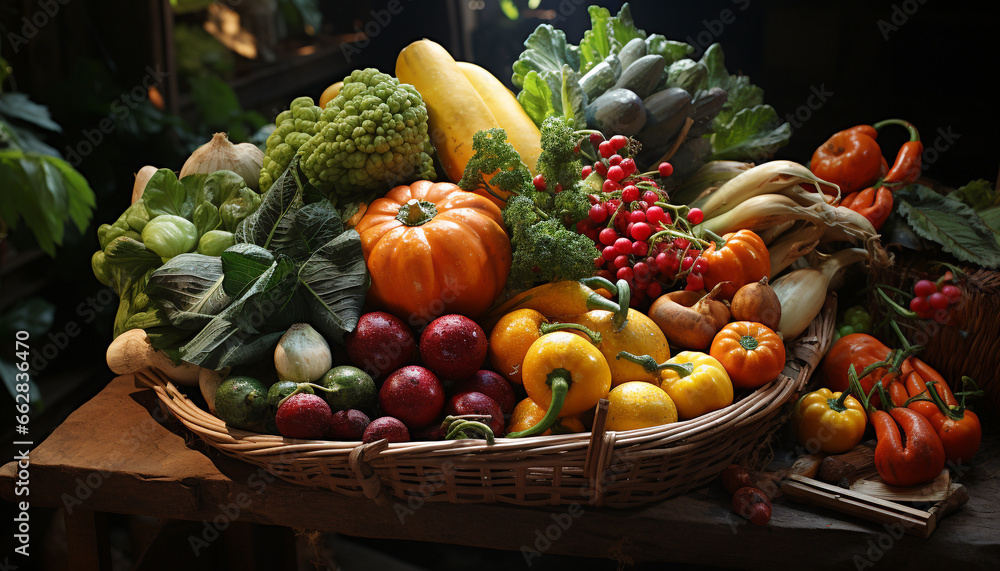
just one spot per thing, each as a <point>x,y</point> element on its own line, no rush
<point>932,299</point>
<point>643,239</point>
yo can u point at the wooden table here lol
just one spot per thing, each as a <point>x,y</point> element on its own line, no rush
<point>119,453</point>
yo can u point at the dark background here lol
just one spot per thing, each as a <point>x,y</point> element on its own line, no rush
<point>933,63</point>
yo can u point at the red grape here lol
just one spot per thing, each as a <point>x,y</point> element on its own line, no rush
<point>637,216</point>
<point>625,273</point>
<point>696,216</point>
<point>599,261</point>
<point>596,139</point>
<point>609,253</point>
<point>654,290</point>
<point>654,214</point>
<point>687,262</point>
<point>601,168</point>
<point>621,261</point>
<point>665,169</point>
<point>641,271</point>
<point>919,305</point>
<point>598,213</point>
<point>663,262</point>
<point>700,265</point>
<point>641,231</point>
<point>650,196</point>
<point>618,141</point>
<point>586,172</point>
<point>639,248</point>
<point>623,245</point>
<point>694,282</point>
<point>681,243</point>
<point>608,236</point>
<point>610,185</point>
<point>539,182</point>
<point>615,160</point>
<point>952,292</point>
<point>615,173</point>
<point>924,288</point>
<point>628,165</point>
<point>605,149</point>
<point>938,300</point>
<point>630,193</point>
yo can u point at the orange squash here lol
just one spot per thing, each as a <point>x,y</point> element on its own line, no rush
<point>743,259</point>
<point>431,249</point>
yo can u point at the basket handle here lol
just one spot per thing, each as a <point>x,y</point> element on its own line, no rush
<point>597,459</point>
<point>371,484</point>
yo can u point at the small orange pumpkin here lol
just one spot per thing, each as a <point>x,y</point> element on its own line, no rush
<point>743,259</point>
<point>433,248</point>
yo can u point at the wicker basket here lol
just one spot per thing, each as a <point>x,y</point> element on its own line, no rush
<point>969,342</point>
<point>603,468</point>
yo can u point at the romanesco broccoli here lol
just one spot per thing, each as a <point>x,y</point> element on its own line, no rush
<point>295,126</point>
<point>544,250</point>
<point>373,134</point>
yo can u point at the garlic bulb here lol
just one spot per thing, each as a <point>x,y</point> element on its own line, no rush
<point>218,154</point>
<point>302,355</point>
<point>141,179</point>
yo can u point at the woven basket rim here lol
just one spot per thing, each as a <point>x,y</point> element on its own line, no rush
<point>761,400</point>
<point>802,357</point>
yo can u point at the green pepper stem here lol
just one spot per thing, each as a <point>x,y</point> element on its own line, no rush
<point>896,307</point>
<point>837,404</point>
<point>559,381</point>
<point>624,300</point>
<point>651,366</point>
<point>595,282</point>
<point>457,426</point>
<point>914,134</point>
<point>957,413</point>
<point>595,337</point>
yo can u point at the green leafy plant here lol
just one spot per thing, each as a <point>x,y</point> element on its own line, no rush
<point>293,263</point>
<point>41,190</point>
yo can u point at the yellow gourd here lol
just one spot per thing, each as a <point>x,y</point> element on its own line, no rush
<point>455,110</point>
<point>522,132</point>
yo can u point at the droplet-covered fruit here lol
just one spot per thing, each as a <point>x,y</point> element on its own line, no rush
<point>414,395</point>
<point>303,415</point>
<point>387,427</point>
<point>380,344</point>
<point>453,347</point>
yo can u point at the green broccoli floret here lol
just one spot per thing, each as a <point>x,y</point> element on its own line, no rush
<point>544,249</point>
<point>295,126</point>
<point>373,134</point>
<point>559,163</point>
<point>495,158</point>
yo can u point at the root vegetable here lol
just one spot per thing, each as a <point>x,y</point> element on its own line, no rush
<point>689,319</point>
<point>132,352</point>
<point>757,302</point>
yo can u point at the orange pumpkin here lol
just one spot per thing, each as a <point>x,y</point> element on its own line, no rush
<point>431,249</point>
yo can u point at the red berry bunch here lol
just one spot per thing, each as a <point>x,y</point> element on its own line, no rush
<point>643,239</point>
<point>932,299</point>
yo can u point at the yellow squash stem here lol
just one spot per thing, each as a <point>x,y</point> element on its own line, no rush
<point>559,381</point>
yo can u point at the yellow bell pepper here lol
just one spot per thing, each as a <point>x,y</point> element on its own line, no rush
<point>564,374</point>
<point>829,422</point>
<point>696,382</point>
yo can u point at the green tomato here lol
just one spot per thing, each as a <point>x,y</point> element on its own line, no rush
<point>215,242</point>
<point>169,235</point>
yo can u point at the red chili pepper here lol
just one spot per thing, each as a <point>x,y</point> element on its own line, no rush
<point>925,374</point>
<point>907,167</point>
<point>873,203</point>
<point>917,460</point>
<point>851,159</point>
<point>897,392</point>
<point>959,429</point>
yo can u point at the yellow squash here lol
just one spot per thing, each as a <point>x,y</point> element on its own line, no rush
<point>455,110</point>
<point>522,132</point>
